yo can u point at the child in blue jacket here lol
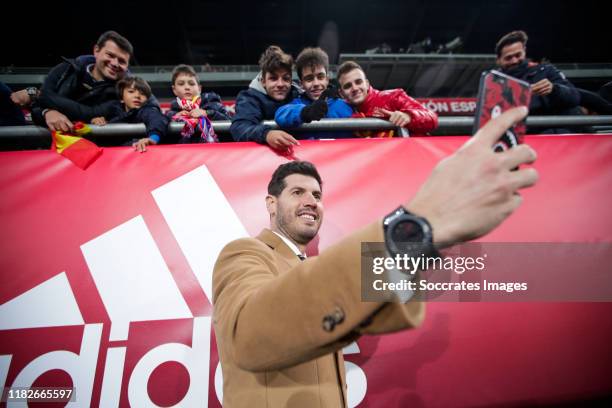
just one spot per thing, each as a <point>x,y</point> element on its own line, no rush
<point>312,65</point>
<point>137,105</point>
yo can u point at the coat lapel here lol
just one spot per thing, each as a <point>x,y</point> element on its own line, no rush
<point>279,247</point>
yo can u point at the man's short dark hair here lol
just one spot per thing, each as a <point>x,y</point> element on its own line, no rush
<point>346,67</point>
<point>511,38</point>
<point>118,39</point>
<point>136,83</point>
<point>277,182</point>
<point>311,57</point>
<point>274,59</point>
<point>184,69</point>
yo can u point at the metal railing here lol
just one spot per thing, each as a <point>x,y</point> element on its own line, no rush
<point>244,73</point>
<point>19,137</point>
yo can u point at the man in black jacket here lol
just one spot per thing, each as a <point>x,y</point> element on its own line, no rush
<point>552,93</point>
<point>83,88</point>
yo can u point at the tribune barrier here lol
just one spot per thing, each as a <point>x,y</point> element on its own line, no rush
<point>31,137</point>
<point>106,274</point>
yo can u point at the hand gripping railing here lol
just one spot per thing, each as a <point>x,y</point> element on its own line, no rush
<point>27,137</point>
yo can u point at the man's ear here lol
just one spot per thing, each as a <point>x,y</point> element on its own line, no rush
<point>271,204</point>
<point>96,49</point>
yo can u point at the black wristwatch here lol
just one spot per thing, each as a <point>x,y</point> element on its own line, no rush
<point>32,93</point>
<point>406,232</point>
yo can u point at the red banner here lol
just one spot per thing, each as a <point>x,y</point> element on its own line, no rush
<point>450,106</point>
<point>106,274</point>
<point>442,106</point>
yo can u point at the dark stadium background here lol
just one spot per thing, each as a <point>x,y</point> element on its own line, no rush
<point>235,32</point>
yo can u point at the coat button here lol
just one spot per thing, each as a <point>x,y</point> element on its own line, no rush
<point>338,315</point>
<point>331,320</point>
<point>329,323</point>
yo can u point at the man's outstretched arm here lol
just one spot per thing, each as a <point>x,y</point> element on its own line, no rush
<point>272,322</point>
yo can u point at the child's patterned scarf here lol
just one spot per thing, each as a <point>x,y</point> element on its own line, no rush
<point>201,124</point>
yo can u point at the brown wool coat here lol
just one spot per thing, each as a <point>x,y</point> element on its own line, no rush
<point>281,323</point>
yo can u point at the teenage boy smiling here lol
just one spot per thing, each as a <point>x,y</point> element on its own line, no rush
<point>312,66</point>
<point>267,92</point>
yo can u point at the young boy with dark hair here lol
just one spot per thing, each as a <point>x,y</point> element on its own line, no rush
<point>318,101</point>
<point>193,108</point>
<point>271,89</point>
<point>138,105</point>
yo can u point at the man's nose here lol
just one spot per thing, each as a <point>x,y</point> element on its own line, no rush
<point>309,200</point>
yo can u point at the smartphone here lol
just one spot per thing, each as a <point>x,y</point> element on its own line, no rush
<point>497,93</point>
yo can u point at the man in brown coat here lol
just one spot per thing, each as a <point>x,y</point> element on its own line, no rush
<point>281,322</point>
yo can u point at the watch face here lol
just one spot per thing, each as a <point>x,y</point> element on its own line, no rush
<point>407,231</point>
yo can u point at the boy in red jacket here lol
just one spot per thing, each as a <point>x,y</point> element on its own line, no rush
<point>393,105</point>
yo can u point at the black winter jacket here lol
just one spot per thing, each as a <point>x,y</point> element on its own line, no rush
<point>71,90</point>
<point>564,98</point>
<point>149,113</point>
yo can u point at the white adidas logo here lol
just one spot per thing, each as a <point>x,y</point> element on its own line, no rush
<point>136,285</point>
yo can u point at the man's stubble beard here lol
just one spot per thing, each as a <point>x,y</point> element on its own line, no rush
<point>283,226</point>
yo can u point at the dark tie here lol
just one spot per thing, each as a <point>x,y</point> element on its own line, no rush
<point>302,257</point>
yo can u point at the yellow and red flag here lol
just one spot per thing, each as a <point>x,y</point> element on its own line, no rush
<point>371,133</point>
<point>73,146</point>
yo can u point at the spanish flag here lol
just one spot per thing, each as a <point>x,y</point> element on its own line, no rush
<point>73,146</point>
<point>371,133</point>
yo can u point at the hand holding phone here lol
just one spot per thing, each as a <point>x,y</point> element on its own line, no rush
<point>497,93</point>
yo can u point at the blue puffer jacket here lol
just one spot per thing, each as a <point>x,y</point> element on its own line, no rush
<point>289,115</point>
<point>253,106</point>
